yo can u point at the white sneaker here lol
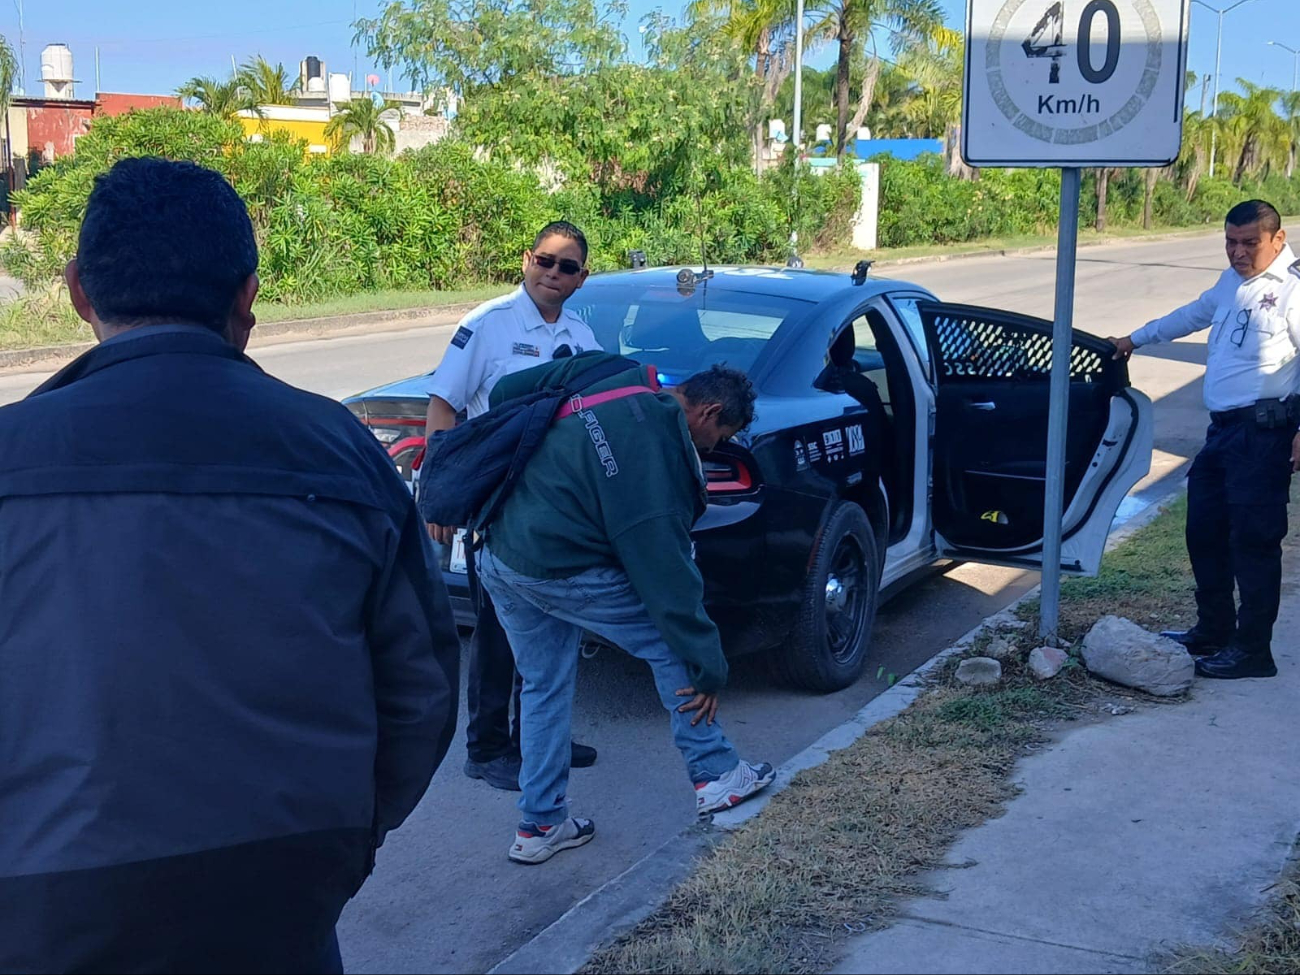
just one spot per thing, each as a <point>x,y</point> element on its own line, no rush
<point>537,844</point>
<point>732,789</point>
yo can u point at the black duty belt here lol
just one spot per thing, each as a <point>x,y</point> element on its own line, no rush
<point>1250,413</point>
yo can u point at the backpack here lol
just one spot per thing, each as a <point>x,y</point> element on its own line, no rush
<point>468,471</point>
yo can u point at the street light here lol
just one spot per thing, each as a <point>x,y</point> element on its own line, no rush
<point>1295,57</point>
<point>1218,57</point>
<point>794,259</point>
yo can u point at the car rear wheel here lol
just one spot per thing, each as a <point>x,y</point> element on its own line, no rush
<point>831,640</point>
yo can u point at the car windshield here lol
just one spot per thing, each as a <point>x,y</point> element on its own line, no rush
<point>682,334</point>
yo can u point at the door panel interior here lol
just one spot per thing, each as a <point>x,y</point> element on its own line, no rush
<point>990,441</point>
<point>990,445</point>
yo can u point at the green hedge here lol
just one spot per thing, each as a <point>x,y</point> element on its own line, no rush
<point>448,215</point>
<point>443,217</point>
<point>921,204</point>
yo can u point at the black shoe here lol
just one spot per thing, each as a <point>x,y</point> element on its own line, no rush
<point>1234,662</point>
<point>1196,645</point>
<point>582,756</point>
<point>500,773</point>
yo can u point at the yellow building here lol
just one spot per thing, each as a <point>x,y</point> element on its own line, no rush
<point>301,123</point>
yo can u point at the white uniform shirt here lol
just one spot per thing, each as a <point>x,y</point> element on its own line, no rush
<point>500,337</point>
<point>1254,334</point>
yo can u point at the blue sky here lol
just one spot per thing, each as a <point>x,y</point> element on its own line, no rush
<point>154,45</point>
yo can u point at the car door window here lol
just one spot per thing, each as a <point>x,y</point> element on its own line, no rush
<point>907,310</point>
<point>867,360</point>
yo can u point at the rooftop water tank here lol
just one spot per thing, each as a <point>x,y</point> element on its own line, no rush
<point>340,89</point>
<point>56,71</point>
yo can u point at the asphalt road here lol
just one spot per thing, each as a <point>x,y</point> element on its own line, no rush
<point>444,898</point>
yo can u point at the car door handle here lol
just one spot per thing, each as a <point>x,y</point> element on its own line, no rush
<point>984,407</point>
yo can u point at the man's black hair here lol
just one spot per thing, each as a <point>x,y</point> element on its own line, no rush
<point>164,242</point>
<point>730,387</point>
<point>1256,211</point>
<point>562,228</point>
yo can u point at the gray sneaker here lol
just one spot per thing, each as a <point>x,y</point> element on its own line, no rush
<point>536,844</point>
<point>500,773</point>
<point>742,782</point>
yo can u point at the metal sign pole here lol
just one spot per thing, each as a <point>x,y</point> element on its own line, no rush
<point>1059,406</point>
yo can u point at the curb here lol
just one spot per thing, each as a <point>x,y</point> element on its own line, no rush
<point>565,945</point>
<point>1035,249</point>
<point>397,319</point>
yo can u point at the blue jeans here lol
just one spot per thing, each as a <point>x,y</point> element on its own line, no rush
<point>545,620</point>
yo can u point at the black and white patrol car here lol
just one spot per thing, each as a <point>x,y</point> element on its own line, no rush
<point>892,430</point>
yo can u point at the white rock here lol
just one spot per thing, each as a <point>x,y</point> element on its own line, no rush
<point>979,670</point>
<point>1046,662</point>
<point>1000,648</point>
<point>1120,650</point>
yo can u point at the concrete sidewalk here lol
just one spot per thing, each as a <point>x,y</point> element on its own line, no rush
<point>1130,837</point>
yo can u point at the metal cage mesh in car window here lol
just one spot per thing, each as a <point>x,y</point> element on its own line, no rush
<point>984,347</point>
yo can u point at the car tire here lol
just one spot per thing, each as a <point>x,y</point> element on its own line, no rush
<point>828,649</point>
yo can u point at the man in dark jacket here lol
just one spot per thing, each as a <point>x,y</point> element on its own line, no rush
<point>226,667</point>
<point>596,536</point>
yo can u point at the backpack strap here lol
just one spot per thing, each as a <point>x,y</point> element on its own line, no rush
<point>577,402</point>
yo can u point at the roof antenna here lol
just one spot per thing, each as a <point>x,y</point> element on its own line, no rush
<point>686,278</point>
<point>704,257</point>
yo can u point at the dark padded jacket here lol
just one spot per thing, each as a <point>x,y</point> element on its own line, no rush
<point>226,667</point>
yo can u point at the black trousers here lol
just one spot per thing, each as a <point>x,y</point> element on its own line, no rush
<point>1237,492</point>
<point>493,686</point>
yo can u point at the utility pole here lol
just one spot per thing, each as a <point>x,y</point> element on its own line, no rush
<point>22,50</point>
<point>796,137</point>
<point>1295,62</point>
<point>1218,60</point>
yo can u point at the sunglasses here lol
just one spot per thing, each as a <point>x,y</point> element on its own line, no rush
<point>547,262</point>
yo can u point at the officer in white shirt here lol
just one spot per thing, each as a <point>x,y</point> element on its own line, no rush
<point>517,331</point>
<point>1239,484</point>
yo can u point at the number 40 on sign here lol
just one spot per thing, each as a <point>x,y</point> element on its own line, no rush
<point>1074,82</point>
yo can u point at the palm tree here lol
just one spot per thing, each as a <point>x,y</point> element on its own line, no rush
<point>1194,158</point>
<point>268,84</point>
<point>1291,117</point>
<point>765,27</point>
<point>363,117</point>
<point>224,98</point>
<point>8,72</point>
<point>1253,126</point>
<point>850,22</point>
<point>937,66</point>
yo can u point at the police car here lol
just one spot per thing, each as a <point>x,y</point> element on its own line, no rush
<point>892,430</point>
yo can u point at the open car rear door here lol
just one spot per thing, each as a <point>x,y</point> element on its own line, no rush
<point>992,372</point>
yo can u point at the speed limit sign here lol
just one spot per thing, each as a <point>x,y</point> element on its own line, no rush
<point>1074,82</point>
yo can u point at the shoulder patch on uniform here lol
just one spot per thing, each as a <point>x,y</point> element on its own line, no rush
<point>462,337</point>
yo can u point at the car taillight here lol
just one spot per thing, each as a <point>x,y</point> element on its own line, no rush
<point>406,454</point>
<point>727,475</point>
<point>390,429</point>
